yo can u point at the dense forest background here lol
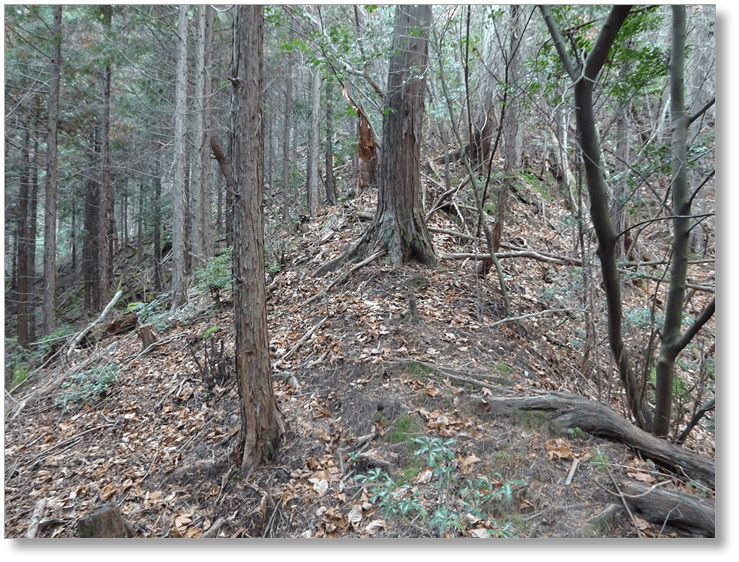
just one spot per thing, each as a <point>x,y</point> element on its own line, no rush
<point>592,233</point>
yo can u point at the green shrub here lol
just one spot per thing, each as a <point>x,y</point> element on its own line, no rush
<point>216,275</point>
<point>87,385</point>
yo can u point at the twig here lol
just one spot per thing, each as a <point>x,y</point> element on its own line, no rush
<point>548,311</point>
<point>300,342</point>
<point>626,505</point>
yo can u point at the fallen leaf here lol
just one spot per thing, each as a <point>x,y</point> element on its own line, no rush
<point>375,526</point>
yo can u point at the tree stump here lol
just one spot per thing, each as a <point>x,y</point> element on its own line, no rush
<point>148,336</point>
<point>103,523</point>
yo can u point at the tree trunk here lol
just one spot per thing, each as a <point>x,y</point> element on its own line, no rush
<point>399,226</point>
<point>584,79</point>
<point>156,227</point>
<point>330,181</point>
<point>511,159</point>
<point>179,189</point>
<point>202,232</point>
<point>314,149</point>
<point>52,170</point>
<point>32,230</point>
<point>23,240</point>
<point>286,138</point>
<point>106,188</point>
<point>262,422</point>
<point>672,340</point>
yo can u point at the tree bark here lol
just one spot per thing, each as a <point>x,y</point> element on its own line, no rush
<point>399,226</point>
<point>262,422</point>
<point>52,171</point>
<point>672,340</point>
<point>670,507</point>
<point>179,281</point>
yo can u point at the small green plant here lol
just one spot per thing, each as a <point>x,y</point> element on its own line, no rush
<point>87,385</point>
<point>20,373</point>
<point>503,369</point>
<point>210,331</point>
<point>216,275</point>
<point>405,500</point>
<point>600,462</point>
<point>577,433</point>
<point>404,428</point>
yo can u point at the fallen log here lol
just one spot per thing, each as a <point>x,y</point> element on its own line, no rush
<point>670,507</point>
<point>571,411</point>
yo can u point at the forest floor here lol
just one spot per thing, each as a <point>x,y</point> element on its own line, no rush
<point>371,386</point>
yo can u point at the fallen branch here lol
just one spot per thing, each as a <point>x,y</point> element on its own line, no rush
<point>78,338</point>
<point>342,277</point>
<point>300,342</point>
<point>563,260</point>
<point>548,311</point>
<point>38,512</point>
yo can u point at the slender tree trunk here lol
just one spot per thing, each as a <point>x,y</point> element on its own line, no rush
<point>680,229</point>
<point>52,170</point>
<point>584,78</point>
<point>32,231</point>
<point>286,139</point>
<point>91,241</point>
<point>106,190</point>
<point>179,189</point>
<point>314,148</point>
<point>330,181</point>
<point>156,228</point>
<point>23,241</point>
<point>511,159</point>
<point>262,423</point>
<point>202,239</point>
<point>140,225</point>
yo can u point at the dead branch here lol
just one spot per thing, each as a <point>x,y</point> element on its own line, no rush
<point>38,512</point>
<point>563,260</point>
<point>549,311</point>
<point>301,341</point>
<point>73,344</point>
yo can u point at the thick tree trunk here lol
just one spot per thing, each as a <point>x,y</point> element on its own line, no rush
<point>399,226</point>
<point>52,170</point>
<point>263,427</point>
<point>179,281</point>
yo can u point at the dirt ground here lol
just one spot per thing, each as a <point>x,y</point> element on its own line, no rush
<point>379,374</point>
